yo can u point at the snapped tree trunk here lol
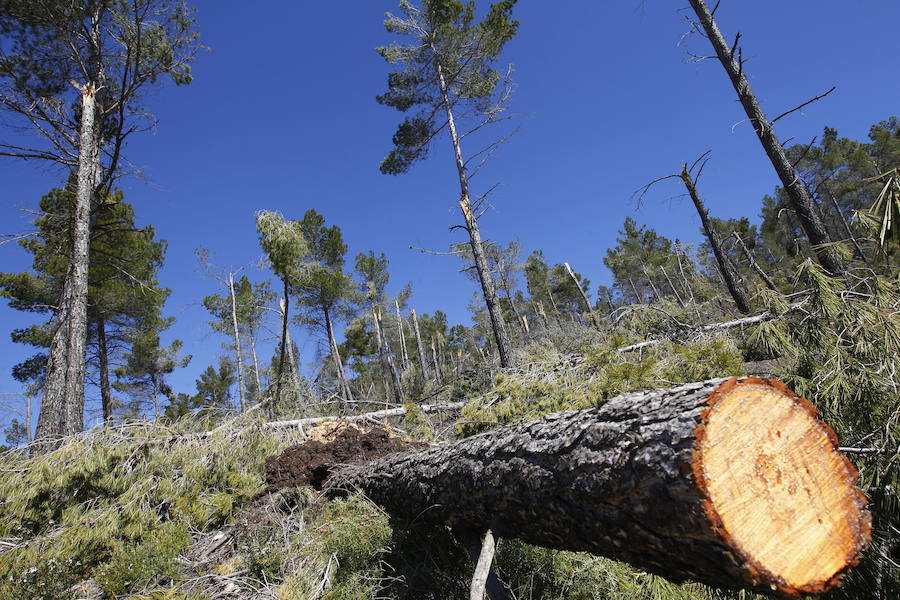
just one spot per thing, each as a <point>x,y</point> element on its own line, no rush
<point>465,204</point>
<point>103,359</point>
<point>799,196</point>
<point>404,356</point>
<point>437,363</point>
<point>237,341</point>
<point>584,297</point>
<point>734,483</point>
<point>728,275</point>
<point>62,408</point>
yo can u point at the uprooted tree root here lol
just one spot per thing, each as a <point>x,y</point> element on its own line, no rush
<point>312,461</point>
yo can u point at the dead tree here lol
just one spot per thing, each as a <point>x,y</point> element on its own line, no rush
<point>801,201</point>
<point>423,361</point>
<point>734,483</point>
<point>729,275</point>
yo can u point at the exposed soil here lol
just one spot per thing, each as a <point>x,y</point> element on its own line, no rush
<point>311,462</point>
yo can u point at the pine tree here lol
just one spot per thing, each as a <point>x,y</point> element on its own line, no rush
<point>122,288</point>
<point>324,292</point>
<point>143,374</point>
<point>286,248</point>
<point>447,70</point>
<point>74,72</point>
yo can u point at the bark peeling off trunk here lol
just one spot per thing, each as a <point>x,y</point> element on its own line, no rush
<point>733,483</point>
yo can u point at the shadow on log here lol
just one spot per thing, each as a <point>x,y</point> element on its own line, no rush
<point>734,483</point>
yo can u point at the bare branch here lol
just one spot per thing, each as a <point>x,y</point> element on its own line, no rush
<point>435,252</point>
<point>642,191</point>
<point>808,102</point>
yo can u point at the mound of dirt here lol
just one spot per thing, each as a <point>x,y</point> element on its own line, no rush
<point>311,462</point>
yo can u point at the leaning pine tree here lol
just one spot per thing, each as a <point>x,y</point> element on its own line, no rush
<point>446,71</point>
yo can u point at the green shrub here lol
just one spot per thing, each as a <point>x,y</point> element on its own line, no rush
<point>134,566</point>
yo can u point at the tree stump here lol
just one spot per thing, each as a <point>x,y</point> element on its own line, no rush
<point>734,483</point>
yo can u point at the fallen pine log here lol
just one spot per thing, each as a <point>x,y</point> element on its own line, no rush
<point>707,328</point>
<point>733,483</point>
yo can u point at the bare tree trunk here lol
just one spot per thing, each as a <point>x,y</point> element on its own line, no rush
<point>859,251</point>
<point>103,356</point>
<point>553,303</point>
<point>419,345</point>
<point>732,483</point>
<point>293,364</point>
<point>753,264</point>
<point>404,355</point>
<point>237,341</point>
<point>637,296</point>
<point>28,437</point>
<point>437,364</point>
<point>653,287</point>
<point>339,365</point>
<point>388,369</point>
<point>737,293</point>
<point>543,315</point>
<point>583,295</point>
<point>801,201</point>
<point>62,408</point>
<point>255,363</point>
<point>465,204</point>
<point>153,379</point>
<point>672,286</point>
<point>687,284</point>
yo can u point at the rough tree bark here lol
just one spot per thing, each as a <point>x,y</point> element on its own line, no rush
<point>733,483</point>
<point>728,275</point>
<point>799,196</point>
<point>465,204</point>
<point>62,408</point>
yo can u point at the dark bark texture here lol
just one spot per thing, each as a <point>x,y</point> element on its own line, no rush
<point>728,274</point>
<point>616,481</point>
<point>799,196</point>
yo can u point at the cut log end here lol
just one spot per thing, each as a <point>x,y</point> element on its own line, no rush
<point>776,489</point>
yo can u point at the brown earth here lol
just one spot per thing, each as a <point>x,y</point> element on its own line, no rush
<point>311,462</point>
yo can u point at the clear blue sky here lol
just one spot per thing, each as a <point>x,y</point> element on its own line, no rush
<point>281,115</point>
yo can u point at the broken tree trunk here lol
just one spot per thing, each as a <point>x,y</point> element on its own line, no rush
<point>804,207</point>
<point>729,275</point>
<point>733,483</point>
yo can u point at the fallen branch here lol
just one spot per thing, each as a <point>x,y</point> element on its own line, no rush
<point>378,414</point>
<point>710,327</point>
